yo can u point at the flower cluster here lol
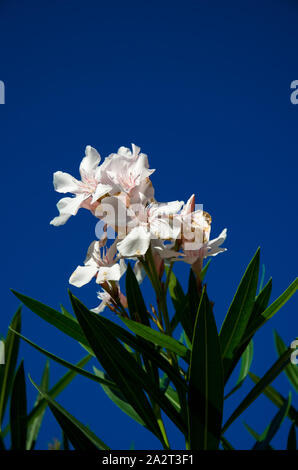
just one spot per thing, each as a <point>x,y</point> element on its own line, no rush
<point>120,193</point>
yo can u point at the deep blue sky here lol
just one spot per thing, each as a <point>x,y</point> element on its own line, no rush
<point>204,89</point>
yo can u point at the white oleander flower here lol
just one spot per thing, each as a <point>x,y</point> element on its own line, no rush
<point>146,223</point>
<point>86,191</point>
<point>100,262</point>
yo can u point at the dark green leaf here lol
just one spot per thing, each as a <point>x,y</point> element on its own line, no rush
<point>261,302</point>
<point>226,444</point>
<point>55,318</point>
<point>122,367</point>
<point>179,300</point>
<point>206,387</point>
<point>238,315</point>
<point>292,443</point>
<point>259,388</point>
<point>118,398</point>
<point>136,304</point>
<point>204,270</point>
<point>291,370</point>
<point>79,435</point>
<point>34,427</point>
<point>276,398</point>
<point>193,299</point>
<point>246,360</point>
<point>271,310</point>
<point>135,343</point>
<point>18,411</point>
<point>156,337</point>
<point>11,357</point>
<point>274,426</point>
<point>67,364</point>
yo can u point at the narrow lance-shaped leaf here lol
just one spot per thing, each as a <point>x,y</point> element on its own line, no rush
<point>18,411</point>
<point>239,313</point>
<point>11,356</point>
<point>276,398</point>
<point>118,363</point>
<point>270,375</point>
<point>156,337</point>
<point>136,304</point>
<point>34,427</point>
<point>274,426</point>
<point>206,387</point>
<point>118,398</point>
<point>179,301</point>
<point>246,360</point>
<point>79,435</point>
<point>61,321</point>
<point>271,310</point>
<point>292,442</point>
<point>75,368</point>
<point>138,312</point>
<point>291,370</point>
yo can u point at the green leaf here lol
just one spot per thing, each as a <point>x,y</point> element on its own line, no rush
<point>65,441</point>
<point>34,427</point>
<point>136,304</point>
<point>270,375</point>
<point>206,387</point>
<point>239,313</point>
<point>292,443</point>
<point>67,364</point>
<point>118,398</point>
<point>246,361</point>
<point>226,444</point>
<point>156,337</point>
<point>193,298</point>
<point>261,302</point>
<point>179,301</point>
<point>79,435</point>
<point>53,393</point>
<point>271,310</point>
<point>274,426</point>
<point>291,370</point>
<point>123,368</point>
<point>18,411</point>
<point>8,369</point>
<point>64,323</point>
<point>276,398</point>
<point>135,343</point>
<point>204,270</point>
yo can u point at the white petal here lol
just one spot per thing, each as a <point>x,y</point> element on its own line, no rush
<point>136,243</point>
<point>139,271</point>
<point>165,208</point>
<point>65,183</point>
<point>68,206</point>
<point>100,308</point>
<point>90,161</point>
<point>108,274</point>
<point>214,246</point>
<point>71,205</point>
<point>101,190</point>
<point>123,267</point>
<point>139,169</point>
<point>82,275</point>
<point>60,220</point>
